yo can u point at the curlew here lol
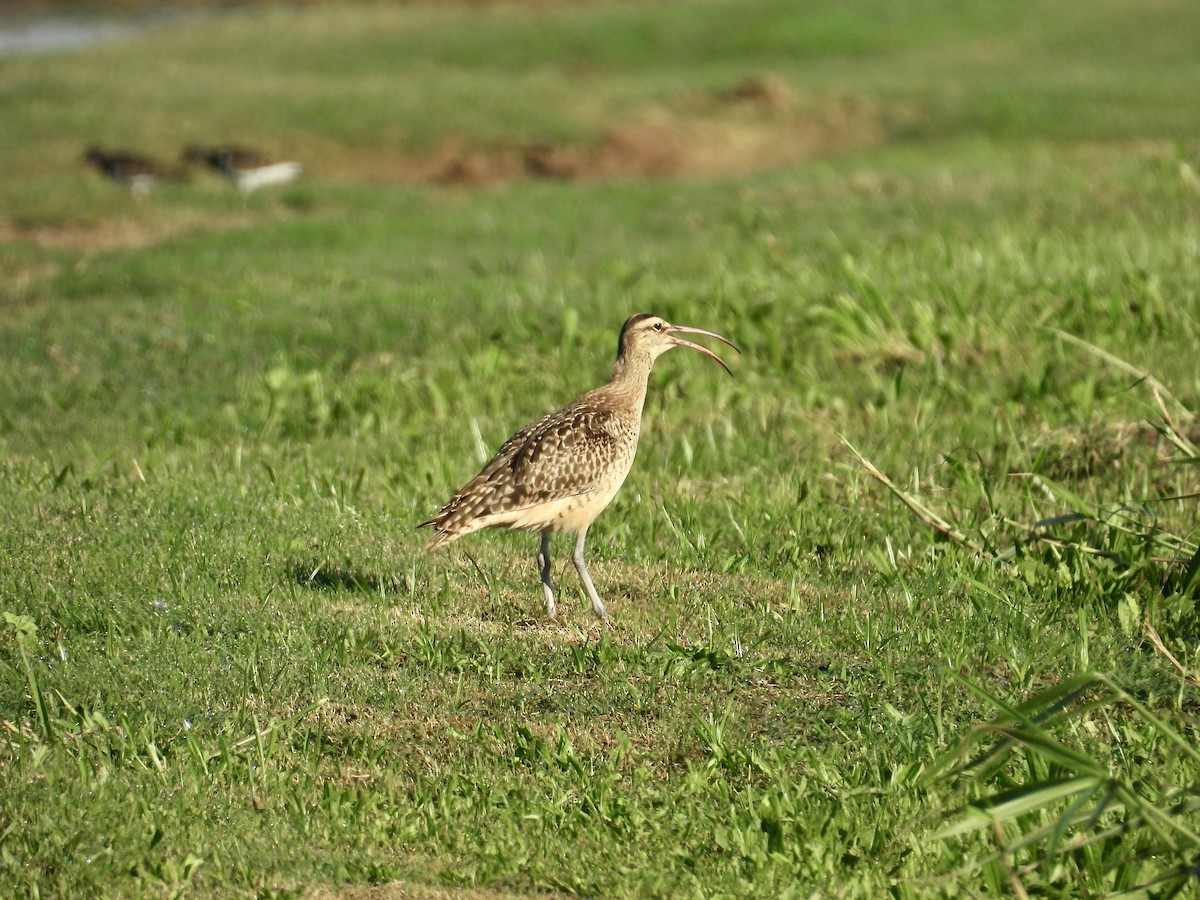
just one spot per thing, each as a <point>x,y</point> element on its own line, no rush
<point>560,472</point>
<point>246,168</point>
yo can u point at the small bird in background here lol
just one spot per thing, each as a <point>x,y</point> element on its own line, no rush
<point>246,168</point>
<point>138,173</point>
<point>560,472</point>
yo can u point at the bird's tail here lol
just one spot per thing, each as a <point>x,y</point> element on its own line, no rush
<point>441,534</point>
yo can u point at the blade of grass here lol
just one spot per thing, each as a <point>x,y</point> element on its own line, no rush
<point>1142,375</point>
<point>923,512</point>
<point>1002,808</point>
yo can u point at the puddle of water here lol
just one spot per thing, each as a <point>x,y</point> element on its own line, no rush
<point>42,35</point>
<point>30,32</point>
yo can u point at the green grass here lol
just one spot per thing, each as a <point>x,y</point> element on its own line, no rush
<point>229,666</point>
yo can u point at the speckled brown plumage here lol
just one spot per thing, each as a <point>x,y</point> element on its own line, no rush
<point>559,473</point>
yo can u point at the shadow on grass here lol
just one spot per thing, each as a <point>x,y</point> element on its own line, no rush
<point>319,576</point>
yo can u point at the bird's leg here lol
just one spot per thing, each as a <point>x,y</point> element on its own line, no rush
<point>544,564</point>
<point>581,568</point>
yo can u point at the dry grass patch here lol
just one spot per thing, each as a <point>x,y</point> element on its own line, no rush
<point>1096,448</point>
<point>402,890</point>
<point>761,128</point>
<point>759,123</point>
<point>121,232</point>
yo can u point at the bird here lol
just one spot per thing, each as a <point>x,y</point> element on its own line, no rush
<point>246,168</point>
<point>139,173</point>
<point>559,473</point>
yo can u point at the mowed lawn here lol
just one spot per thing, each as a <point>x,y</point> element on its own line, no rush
<point>904,608</point>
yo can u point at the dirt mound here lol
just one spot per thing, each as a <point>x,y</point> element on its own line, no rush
<point>764,91</point>
<point>760,123</point>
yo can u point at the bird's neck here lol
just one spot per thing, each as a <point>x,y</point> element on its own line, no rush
<point>630,376</point>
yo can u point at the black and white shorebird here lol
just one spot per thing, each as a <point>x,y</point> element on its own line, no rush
<point>246,168</point>
<point>139,173</point>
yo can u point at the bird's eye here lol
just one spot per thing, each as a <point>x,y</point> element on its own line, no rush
<point>658,326</point>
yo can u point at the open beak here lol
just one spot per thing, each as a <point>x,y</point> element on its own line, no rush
<point>680,342</point>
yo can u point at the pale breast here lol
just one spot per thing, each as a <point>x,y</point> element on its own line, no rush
<point>573,512</point>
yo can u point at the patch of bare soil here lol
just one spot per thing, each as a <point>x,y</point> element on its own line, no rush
<point>107,235</point>
<point>115,233</point>
<point>757,124</point>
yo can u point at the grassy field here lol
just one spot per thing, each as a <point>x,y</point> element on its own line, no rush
<point>905,608</point>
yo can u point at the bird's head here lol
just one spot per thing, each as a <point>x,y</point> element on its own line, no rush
<point>653,336</point>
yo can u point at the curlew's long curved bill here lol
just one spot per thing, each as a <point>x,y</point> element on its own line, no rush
<point>680,342</point>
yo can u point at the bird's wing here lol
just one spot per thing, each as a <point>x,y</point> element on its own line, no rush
<point>562,454</point>
<point>570,454</point>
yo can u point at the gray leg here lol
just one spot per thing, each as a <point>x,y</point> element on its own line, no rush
<point>581,568</point>
<point>544,563</point>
